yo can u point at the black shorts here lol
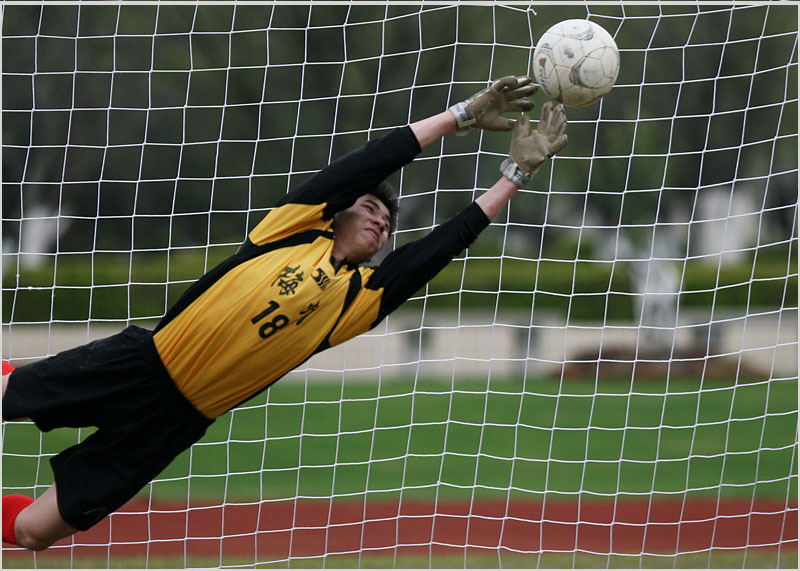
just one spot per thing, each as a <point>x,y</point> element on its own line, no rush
<point>119,385</point>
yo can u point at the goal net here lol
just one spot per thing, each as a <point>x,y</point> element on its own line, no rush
<point>606,378</point>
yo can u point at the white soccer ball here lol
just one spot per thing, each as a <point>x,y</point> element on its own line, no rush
<point>576,62</point>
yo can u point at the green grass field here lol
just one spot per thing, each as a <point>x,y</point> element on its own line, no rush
<point>732,559</point>
<point>471,439</point>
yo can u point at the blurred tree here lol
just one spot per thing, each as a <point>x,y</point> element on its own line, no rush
<point>173,122</point>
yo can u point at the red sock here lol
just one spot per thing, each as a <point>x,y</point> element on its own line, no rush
<point>7,367</point>
<point>12,505</point>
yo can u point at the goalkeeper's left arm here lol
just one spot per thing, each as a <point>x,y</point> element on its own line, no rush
<point>411,266</point>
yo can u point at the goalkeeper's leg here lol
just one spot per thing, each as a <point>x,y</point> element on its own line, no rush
<point>8,368</point>
<point>36,526</point>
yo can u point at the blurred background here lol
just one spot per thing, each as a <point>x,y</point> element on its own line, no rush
<point>624,335</point>
<point>141,143</point>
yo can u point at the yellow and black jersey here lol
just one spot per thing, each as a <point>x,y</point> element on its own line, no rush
<point>278,300</point>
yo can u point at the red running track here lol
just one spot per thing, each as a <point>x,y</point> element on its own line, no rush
<point>282,529</point>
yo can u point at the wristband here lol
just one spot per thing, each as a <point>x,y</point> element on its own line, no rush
<point>514,173</point>
<point>463,117</point>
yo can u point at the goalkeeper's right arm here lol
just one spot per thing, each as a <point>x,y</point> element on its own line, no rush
<point>343,181</point>
<point>481,111</point>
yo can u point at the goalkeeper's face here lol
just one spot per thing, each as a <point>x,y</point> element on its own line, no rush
<point>361,230</point>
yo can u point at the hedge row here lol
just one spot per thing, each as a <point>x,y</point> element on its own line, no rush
<point>122,286</point>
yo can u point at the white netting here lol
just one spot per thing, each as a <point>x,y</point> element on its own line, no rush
<point>608,377</point>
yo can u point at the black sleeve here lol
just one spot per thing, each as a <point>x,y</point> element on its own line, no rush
<point>353,175</point>
<point>411,266</point>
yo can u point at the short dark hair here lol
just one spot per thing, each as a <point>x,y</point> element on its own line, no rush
<point>386,193</point>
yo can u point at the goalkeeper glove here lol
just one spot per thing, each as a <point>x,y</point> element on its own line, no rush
<point>529,150</point>
<point>482,110</point>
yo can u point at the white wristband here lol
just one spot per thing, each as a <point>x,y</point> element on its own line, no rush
<point>463,117</point>
<point>514,173</point>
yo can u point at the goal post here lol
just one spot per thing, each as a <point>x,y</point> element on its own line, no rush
<point>606,378</point>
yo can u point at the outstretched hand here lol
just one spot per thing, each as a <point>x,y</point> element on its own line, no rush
<point>530,149</point>
<point>484,109</point>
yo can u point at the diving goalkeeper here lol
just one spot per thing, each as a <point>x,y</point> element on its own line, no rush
<point>294,288</point>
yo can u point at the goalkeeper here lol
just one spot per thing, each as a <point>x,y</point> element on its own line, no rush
<point>294,288</point>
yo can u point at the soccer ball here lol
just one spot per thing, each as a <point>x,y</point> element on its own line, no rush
<point>576,62</point>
